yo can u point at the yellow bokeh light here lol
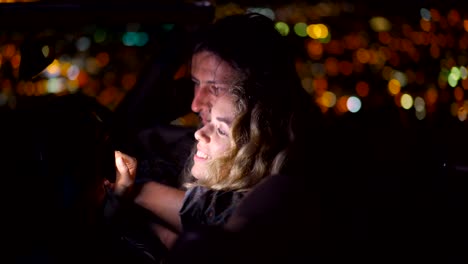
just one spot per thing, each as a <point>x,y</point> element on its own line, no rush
<point>406,101</point>
<point>379,24</point>
<point>313,31</point>
<point>64,67</point>
<point>317,31</point>
<point>328,99</point>
<point>394,86</point>
<point>53,69</point>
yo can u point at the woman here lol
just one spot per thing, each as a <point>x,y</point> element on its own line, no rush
<point>253,109</point>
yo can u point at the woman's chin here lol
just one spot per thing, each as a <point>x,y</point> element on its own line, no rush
<point>197,172</point>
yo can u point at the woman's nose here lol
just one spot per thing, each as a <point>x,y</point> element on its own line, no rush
<point>201,134</point>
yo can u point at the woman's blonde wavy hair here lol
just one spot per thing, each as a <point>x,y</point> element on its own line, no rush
<point>258,149</point>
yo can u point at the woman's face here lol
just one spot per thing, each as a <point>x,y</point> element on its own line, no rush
<point>214,138</point>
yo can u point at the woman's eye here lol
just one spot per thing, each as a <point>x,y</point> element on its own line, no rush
<point>222,132</point>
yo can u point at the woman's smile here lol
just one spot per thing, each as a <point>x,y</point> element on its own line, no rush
<point>201,156</point>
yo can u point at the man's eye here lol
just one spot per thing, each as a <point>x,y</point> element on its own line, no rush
<point>215,90</point>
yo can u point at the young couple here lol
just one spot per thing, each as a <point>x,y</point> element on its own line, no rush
<point>254,115</point>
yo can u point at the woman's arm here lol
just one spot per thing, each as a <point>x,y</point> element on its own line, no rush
<point>163,201</point>
<point>167,236</point>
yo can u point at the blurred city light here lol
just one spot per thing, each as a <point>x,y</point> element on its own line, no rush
<point>353,104</point>
<point>341,50</point>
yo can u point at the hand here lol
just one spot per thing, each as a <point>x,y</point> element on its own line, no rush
<point>126,167</point>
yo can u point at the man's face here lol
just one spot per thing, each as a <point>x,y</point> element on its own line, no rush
<point>211,77</point>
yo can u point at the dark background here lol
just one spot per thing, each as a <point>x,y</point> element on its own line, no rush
<point>412,173</point>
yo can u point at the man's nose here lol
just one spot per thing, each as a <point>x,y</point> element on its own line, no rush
<point>195,101</point>
<point>200,99</point>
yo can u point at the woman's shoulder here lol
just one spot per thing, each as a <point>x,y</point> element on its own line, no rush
<point>209,206</point>
<point>208,194</point>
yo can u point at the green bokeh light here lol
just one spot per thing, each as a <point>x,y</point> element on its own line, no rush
<point>456,73</point>
<point>301,29</point>
<point>452,80</point>
<point>282,28</point>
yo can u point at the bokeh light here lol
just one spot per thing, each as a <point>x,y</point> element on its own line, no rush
<point>282,28</point>
<point>419,104</point>
<point>353,104</point>
<point>406,101</point>
<point>328,99</point>
<point>380,24</point>
<point>370,55</point>
<point>300,29</point>
<point>394,86</point>
<point>317,31</point>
